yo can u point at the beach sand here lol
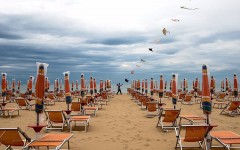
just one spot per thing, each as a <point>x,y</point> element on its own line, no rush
<point>121,125</point>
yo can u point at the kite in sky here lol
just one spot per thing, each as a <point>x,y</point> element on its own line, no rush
<point>175,20</point>
<point>142,60</point>
<point>183,7</point>
<point>165,31</point>
<point>132,72</point>
<point>150,49</point>
<point>138,66</point>
<point>126,80</point>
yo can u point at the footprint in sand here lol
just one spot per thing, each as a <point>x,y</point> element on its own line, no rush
<point>146,145</point>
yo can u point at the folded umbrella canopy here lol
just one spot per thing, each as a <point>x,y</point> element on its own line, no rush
<point>235,85</point>
<point>40,81</point>
<point>174,90</point>
<point>161,87</point>
<point>67,89</point>
<point>82,85</point>
<point>4,87</point>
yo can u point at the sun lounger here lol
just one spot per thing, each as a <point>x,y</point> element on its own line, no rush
<point>51,140</point>
<point>231,109</point>
<point>8,110</point>
<point>56,120</point>
<point>226,138</point>
<point>82,120</point>
<point>24,104</point>
<point>193,119</point>
<point>13,137</point>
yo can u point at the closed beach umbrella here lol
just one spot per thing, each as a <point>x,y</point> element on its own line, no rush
<point>60,85</point>
<point>170,85</point>
<point>91,85</point>
<point>235,85</point>
<point>142,86</point>
<point>72,85</point>
<point>57,84</point>
<point>206,101</point>
<point>227,85</point>
<point>4,87</point>
<point>40,81</point>
<point>67,88</point>
<point>82,85</point>
<point>184,84</point>
<point>174,90</point>
<point>222,85</point>
<point>13,85</point>
<point>151,87</point>
<point>146,87</point>
<point>95,85</point>
<point>46,84</point>
<point>19,86</point>
<point>161,87</point>
<point>76,84</point>
<point>101,86</point>
<point>165,87</point>
<point>138,85</point>
<point>212,86</point>
<point>30,82</point>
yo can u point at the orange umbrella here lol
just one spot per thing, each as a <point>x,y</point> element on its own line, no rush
<point>165,87</point>
<point>146,87</point>
<point>142,86</point>
<point>212,86</point>
<point>151,87</point>
<point>57,84</point>
<point>101,86</point>
<point>206,101</point>
<point>67,88</point>
<point>161,87</point>
<point>91,85</point>
<point>95,85</point>
<point>30,82</point>
<point>227,86</point>
<point>13,85</point>
<point>19,85</point>
<point>76,84</point>
<point>138,85</point>
<point>184,84</point>
<point>4,87</point>
<point>60,85</point>
<point>181,85</point>
<point>40,80</point>
<point>46,84</point>
<point>174,90</point>
<point>72,85</point>
<point>170,87</point>
<point>82,85</point>
<point>196,85</point>
<point>222,85</point>
<point>235,85</point>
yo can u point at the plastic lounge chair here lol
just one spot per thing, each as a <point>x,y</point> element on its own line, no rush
<point>13,137</point>
<point>226,139</point>
<point>51,140</point>
<point>232,108</point>
<point>187,100</point>
<point>56,120</point>
<point>168,119</point>
<point>76,107</point>
<point>90,110</point>
<point>9,110</point>
<point>193,134</point>
<point>82,120</point>
<point>23,104</point>
<point>50,100</point>
<point>220,101</point>
<point>152,108</point>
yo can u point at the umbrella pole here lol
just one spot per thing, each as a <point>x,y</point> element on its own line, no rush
<point>37,119</point>
<point>208,137</point>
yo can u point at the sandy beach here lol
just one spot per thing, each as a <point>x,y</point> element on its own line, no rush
<point>121,125</point>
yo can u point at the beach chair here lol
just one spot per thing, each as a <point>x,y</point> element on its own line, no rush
<point>8,110</point>
<point>226,138</point>
<point>60,97</point>
<point>193,134</point>
<point>168,119</point>
<point>13,137</point>
<point>221,101</point>
<point>231,109</point>
<point>55,141</point>
<point>187,100</point>
<point>90,110</point>
<point>23,104</point>
<point>81,120</point>
<point>56,120</point>
<point>50,100</point>
<point>152,109</point>
<point>181,96</point>
<point>76,108</point>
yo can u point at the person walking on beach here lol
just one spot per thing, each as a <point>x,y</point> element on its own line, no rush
<point>119,88</point>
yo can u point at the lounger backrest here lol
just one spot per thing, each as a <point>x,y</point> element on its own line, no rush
<point>56,116</point>
<point>171,115</point>
<point>234,105</point>
<point>195,133</point>
<point>10,137</point>
<point>222,95</point>
<point>21,102</point>
<point>51,96</point>
<point>188,98</point>
<point>151,107</point>
<point>75,106</point>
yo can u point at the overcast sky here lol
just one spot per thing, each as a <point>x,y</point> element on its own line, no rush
<point>110,37</point>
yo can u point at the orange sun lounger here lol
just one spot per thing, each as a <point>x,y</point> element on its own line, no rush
<point>226,139</point>
<point>51,140</point>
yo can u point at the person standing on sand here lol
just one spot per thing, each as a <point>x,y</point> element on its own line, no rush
<point>119,88</point>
